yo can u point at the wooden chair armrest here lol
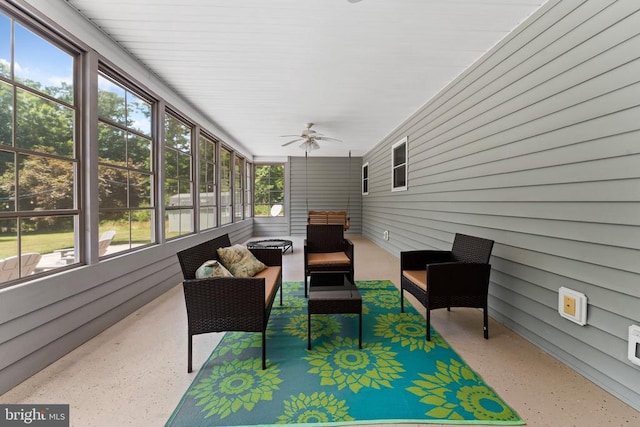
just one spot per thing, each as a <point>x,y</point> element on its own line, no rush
<point>65,252</point>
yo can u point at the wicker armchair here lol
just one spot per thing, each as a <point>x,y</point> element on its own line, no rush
<point>326,249</point>
<point>456,278</point>
<point>227,303</point>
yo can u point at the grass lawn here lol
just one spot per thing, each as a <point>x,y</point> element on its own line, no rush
<point>35,242</point>
<point>47,242</point>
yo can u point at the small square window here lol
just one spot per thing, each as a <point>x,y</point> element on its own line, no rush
<point>399,165</point>
<point>365,179</point>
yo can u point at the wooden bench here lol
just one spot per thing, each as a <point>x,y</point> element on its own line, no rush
<point>328,218</point>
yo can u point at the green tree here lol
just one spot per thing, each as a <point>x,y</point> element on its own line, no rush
<point>49,182</point>
<point>177,160</point>
<point>115,145</point>
<point>6,113</point>
<point>45,128</point>
<point>269,188</point>
<point>118,188</point>
<point>44,184</point>
<point>44,125</point>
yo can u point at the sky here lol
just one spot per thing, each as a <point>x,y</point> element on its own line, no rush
<point>38,60</point>
<point>35,59</point>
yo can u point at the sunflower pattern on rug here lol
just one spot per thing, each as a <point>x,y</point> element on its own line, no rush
<point>398,376</point>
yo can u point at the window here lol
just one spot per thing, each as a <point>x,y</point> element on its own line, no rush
<point>42,141</point>
<point>269,190</point>
<point>399,165</point>
<point>238,178</point>
<point>208,214</point>
<point>39,209</point>
<point>248,196</point>
<point>365,179</point>
<point>125,166</point>
<point>225,186</point>
<point>178,182</point>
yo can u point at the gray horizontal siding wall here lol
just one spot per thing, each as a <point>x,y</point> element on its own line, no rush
<point>325,184</point>
<point>271,227</point>
<point>45,319</point>
<point>537,146</point>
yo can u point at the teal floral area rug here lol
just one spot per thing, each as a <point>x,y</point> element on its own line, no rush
<point>397,377</point>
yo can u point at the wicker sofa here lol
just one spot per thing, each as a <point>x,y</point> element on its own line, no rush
<point>229,303</point>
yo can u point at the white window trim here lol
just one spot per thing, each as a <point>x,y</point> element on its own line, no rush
<point>366,165</point>
<point>404,141</point>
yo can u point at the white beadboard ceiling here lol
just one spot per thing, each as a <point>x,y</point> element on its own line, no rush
<point>259,69</point>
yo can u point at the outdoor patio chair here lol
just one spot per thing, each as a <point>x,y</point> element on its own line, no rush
<point>9,266</point>
<point>326,249</point>
<point>455,278</point>
<point>68,256</point>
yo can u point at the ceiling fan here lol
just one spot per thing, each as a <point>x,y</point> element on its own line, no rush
<point>309,138</point>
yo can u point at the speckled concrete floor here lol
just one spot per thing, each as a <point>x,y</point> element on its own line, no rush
<point>134,373</point>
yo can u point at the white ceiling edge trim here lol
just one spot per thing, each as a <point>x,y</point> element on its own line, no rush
<point>270,159</point>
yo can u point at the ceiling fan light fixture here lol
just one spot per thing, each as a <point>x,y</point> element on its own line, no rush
<point>310,145</point>
<point>309,138</point>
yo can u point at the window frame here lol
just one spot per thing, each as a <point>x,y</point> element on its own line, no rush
<point>248,189</point>
<point>238,187</point>
<point>270,204</point>
<point>404,164</point>
<point>126,84</point>
<point>216,144</point>
<point>365,179</point>
<point>168,208</point>
<point>85,116</point>
<point>221,180</point>
<point>75,211</point>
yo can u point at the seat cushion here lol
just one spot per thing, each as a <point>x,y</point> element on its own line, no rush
<point>270,275</point>
<point>330,258</point>
<point>240,261</point>
<point>212,268</point>
<point>417,277</point>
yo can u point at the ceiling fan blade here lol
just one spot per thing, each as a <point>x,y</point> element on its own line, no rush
<point>326,138</point>
<point>291,142</point>
<point>309,138</point>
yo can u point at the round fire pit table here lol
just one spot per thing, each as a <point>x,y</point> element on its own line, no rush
<point>283,244</point>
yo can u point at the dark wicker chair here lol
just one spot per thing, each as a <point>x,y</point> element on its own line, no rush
<point>326,250</point>
<point>456,278</point>
<point>226,303</point>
